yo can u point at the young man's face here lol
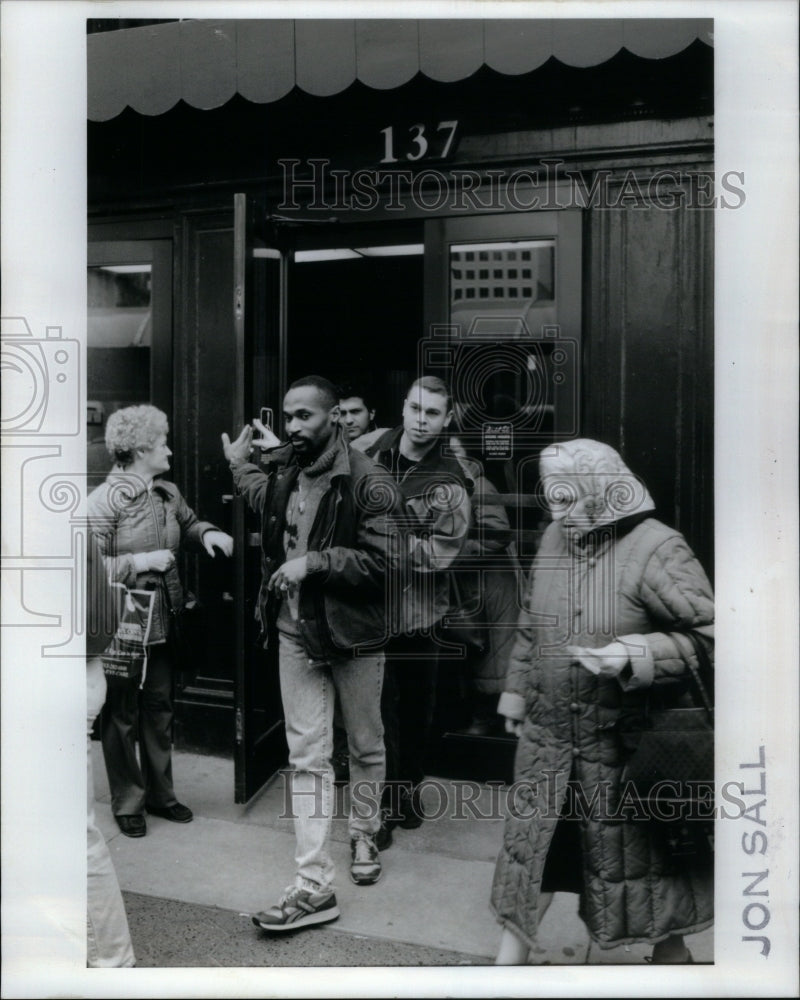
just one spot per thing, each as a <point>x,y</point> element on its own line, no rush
<point>354,416</point>
<point>425,415</point>
<point>310,422</point>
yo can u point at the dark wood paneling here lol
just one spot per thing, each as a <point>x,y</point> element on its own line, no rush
<point>204,377</point>
<point>649,355</point>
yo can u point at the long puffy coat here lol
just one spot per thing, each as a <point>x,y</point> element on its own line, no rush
<point>639,582</point>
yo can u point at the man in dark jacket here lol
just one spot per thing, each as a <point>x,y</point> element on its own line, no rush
<point>326,516</point>
<point>435,489</point>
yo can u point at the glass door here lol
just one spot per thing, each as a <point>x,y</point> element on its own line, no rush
<point>503,322</point>
<point>503,329</point>
<point>128,335</point>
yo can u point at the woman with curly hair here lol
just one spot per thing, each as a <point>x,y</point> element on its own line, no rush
<point>141,522</point>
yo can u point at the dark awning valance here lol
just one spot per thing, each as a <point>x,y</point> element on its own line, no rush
<point>206,62</point>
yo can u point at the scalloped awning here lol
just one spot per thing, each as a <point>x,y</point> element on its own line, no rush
<point>205,63</point>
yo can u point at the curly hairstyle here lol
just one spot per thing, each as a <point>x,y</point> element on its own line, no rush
<point>132,429</point>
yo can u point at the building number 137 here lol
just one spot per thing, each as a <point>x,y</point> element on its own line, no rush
<point>419,142</point>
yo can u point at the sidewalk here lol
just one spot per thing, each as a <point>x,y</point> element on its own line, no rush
<point>233,860</point>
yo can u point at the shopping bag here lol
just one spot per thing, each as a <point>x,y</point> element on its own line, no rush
<point>126,655</point>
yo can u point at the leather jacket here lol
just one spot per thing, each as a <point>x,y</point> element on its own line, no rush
<point>343,600</point>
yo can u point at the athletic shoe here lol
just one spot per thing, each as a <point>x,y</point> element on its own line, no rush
<point>298,907</point>
<point>365,867</point>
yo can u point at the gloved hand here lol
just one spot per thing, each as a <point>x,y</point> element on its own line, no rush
<point>160,560</point>
<point>220,540</point>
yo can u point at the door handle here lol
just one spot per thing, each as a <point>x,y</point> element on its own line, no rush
<point>227,497</point>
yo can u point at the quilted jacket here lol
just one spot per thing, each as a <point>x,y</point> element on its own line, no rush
<point>128,519</point>
<point>636,581</point>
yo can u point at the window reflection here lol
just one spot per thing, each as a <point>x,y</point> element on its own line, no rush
<point>119,338</point>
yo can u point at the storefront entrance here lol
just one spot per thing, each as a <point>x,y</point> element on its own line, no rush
<point>529,232</point>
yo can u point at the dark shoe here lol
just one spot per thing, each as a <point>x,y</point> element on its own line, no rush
<point>132,826</point>
<point>383,838</point>
<point>412,812</point>
<point>176,813</point>
<point>365,867</point>
<point>298,908</point>
<point>687,961</point>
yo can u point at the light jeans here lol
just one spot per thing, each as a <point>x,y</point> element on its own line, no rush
<point>307,692</point>
<point>108,940</point>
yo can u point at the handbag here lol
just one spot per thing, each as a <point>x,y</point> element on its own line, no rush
<point>126,655</point>
<point>671,765</point>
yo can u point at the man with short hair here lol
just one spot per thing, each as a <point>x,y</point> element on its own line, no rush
<point>324,558</point>
<point>436,490</point>
<point>356,412</point>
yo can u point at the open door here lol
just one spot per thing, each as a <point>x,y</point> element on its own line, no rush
<point>259,321</point>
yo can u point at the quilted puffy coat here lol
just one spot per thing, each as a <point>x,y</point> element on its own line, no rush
<point>127,519</point>
<point>638,582</point>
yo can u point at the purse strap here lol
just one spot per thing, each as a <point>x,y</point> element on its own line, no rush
<point>703,668</point>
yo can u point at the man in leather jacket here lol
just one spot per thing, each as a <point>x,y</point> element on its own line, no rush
<point>326,535</point>
<point>436,490</point>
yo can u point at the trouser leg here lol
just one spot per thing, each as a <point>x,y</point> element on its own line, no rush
<point>108,938</point>
<point>155,728</point>
<point>118,731</point>
<point>307,696</point>
<point>359,682</point>
<point>408,705</point>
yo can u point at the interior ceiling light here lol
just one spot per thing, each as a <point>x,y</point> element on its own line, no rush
<point>127,268</point>
<point>508,245</point>
<point>352,253</point>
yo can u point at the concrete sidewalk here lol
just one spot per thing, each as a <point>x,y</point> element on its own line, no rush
<point>433,895</point>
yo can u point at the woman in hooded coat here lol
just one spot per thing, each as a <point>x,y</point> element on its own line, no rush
<point>612,596</point>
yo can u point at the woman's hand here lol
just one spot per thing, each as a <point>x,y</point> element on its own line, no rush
<point>238,451</point>
<point>290,575</point>
<point>218,539</point>
<point>161,560</point>
<point>605,661</point>
<point>267,439</point>
<point>513,726</point>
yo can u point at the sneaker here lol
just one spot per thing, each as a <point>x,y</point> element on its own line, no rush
<point>365,867</point>
<point>298,907</point>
